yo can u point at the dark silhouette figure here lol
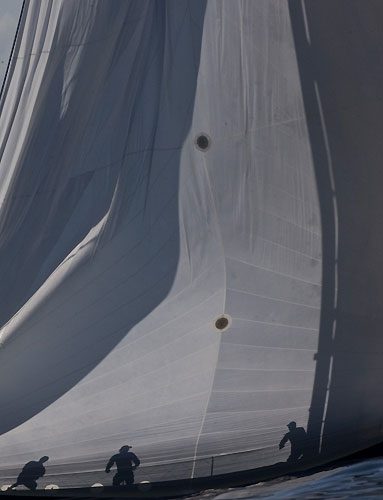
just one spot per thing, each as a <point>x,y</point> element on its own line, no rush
<point>126,462</point>
<point>31,472</point>
<point>297,437</point>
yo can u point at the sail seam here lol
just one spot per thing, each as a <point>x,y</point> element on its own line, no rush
<point>223,310</point>
<point>277,324</point>
<point>289,248</point>
<point>252,346</point>
<point>295,278</point>
<point>275,299</point>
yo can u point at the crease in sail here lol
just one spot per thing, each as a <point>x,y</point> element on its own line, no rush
<point>273,263</point>
<point>146,237</point>
<point>244,207</point>
<point>138,246</point>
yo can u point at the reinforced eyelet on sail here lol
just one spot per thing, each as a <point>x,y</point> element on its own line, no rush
<point>202,141</point>
<point>223,322</point>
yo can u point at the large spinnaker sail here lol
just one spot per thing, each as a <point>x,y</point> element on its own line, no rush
<point>157,174</point>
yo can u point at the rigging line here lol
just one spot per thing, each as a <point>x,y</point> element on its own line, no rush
<point>11,55</point>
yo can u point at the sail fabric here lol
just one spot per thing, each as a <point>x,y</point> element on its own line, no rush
<point>123,240</point>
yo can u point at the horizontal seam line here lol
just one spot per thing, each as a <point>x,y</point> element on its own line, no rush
<point>265,370</point>
<point>273,271</point>
<point>272,347</point>
<point>262,390</point>
<point>276,324</point>
<point>258,411</point>
<point>272,298</point>
<point>289,249</point>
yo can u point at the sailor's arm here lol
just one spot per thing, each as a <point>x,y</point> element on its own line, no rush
<point>136,460</point>
<point>109,464</point>
<point>284,441</point>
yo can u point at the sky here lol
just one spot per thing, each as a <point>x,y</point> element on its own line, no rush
<point>9,16</point>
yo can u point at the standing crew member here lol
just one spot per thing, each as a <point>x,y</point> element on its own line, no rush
<point>297,437</point>
<point>126,462</point>
<point>31,472</point>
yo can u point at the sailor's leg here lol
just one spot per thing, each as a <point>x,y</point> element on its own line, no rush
<point>117,479</point>
<point>30,483</point>
<point>294,456</point>
<point>19,480</point>
<point>129,477</point>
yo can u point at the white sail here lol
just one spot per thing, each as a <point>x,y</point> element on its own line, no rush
<point>157,173</point>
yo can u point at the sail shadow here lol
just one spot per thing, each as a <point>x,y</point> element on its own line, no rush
<point>339,51</point>
<point>107,181</point>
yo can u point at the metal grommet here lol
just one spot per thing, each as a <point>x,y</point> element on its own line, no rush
<point>202,141</point>
<point>223,322</point>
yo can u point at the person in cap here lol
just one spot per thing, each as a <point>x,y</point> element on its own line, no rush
<point>30,473</point>
<point>126,462</point>
<point>297,437</point>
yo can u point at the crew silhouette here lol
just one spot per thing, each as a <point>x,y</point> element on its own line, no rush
<point>297,437</point>
<point>126,462</point>
<point>30,473</point>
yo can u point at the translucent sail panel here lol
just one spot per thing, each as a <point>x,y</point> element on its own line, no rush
<point>156,177</point>
<point>264,189</point>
